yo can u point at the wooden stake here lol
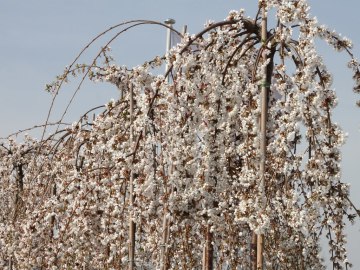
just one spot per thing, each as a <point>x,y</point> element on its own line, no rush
<point>208,250</point>
<point>132,226</point>
<point>264,111</point>
<point>253,256</point>
<point>260,249</point>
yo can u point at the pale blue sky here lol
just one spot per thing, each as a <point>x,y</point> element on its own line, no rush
<point>39,38</point>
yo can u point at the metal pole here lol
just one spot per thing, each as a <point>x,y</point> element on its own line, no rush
<point>165,233</point>
<point>264,111</point>
<point>170,22</point>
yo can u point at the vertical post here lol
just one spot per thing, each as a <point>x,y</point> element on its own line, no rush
<point>260,249</point>
<point>208,250</point>
<point>253,247</point>
<point>10,264</point>
<point>264,111</point>
<point>170,22</point>
<point>165,232</point>
<point>132,226</point>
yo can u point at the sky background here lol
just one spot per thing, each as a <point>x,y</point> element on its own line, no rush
<point>39,38</point>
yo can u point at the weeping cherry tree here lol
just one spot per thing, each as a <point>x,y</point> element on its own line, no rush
<point>232,163</point>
